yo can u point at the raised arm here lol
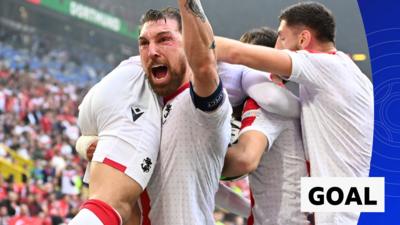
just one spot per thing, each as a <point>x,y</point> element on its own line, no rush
<point>254,56</point>
<point>199,47</point>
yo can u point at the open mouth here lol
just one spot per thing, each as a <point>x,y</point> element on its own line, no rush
<point>159,71</point>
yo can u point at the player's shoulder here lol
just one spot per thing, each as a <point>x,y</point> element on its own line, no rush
<point>228,67</point>
<point>230,74</point>
<point>128,72</point>
<point>314,54</point>
<point>131,66</point>
<point>133,60</point>
<point>332,61</point>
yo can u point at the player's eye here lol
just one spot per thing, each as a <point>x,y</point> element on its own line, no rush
<point>165,39</point>
<point>143,43</point>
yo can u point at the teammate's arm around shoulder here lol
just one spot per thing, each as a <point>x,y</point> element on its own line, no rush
<point>199,47</point>
<point>254,56</point>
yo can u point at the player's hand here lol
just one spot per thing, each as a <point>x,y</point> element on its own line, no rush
<point>86,146</point>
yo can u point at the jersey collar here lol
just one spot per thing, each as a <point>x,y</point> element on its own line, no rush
<point>176,93</point>
<point>314,51</point>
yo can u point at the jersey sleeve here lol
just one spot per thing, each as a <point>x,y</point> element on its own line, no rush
<point>310,68</point>
<point>256,119</point>
<point>231,77</point>
<point>271,97</point>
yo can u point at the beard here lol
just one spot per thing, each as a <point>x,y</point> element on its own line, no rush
<point>176,76</point>
<point>170,85</point>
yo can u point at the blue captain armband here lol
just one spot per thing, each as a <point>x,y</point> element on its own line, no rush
<point>210,103</point>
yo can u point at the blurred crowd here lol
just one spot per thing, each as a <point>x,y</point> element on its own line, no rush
<point>63,59</point>
<point>41,86</point>
<point>38,117</point>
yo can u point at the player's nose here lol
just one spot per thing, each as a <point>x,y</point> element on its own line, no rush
<point>153,51</point>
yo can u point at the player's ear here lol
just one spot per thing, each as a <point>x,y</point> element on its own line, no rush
<point>305,39</point>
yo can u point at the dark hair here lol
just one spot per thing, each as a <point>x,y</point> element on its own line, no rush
<point>264,36</point>
<point>163,14</point>
<point>312,15</point>
<point>260,36</point>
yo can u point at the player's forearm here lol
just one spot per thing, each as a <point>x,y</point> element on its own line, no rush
<point>244,157</point>
<point>224,50</point>
<point>236,162</point>
<point>197,34</point>
<point>199,46</point>
<point>254,56</point>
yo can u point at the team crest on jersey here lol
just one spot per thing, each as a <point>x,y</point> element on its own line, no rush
<point>166,111</point>
<point>146,165</point>
<point>136,113</point>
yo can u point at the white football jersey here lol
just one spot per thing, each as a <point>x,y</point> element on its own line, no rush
<point>125,113</point>
<point>241,81</point>
<point>275,184</point>
<point>337,119</point>
<point>189,165</point>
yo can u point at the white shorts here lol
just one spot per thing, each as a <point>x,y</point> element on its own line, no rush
<point>124,112</point>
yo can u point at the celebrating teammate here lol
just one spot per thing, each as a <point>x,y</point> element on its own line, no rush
<point>180,62</point>
<point>271,150</point>
<point>336,97</point>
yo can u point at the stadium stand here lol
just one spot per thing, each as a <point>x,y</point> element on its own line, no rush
<point>40,88</point>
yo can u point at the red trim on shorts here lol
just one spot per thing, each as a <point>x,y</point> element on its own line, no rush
<point>145,202</point>
<point>249,104</point>
<point>308,167</point>
<point>250,220</point>
<point>176,93</point>
<point>103,211</point>
<point>114,164</point>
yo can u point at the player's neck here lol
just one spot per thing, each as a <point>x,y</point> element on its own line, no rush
<point>185,81</point>
<point>186,78</point>
<point>325,47</point>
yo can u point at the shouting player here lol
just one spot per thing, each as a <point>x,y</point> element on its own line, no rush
<point>180,62</point>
